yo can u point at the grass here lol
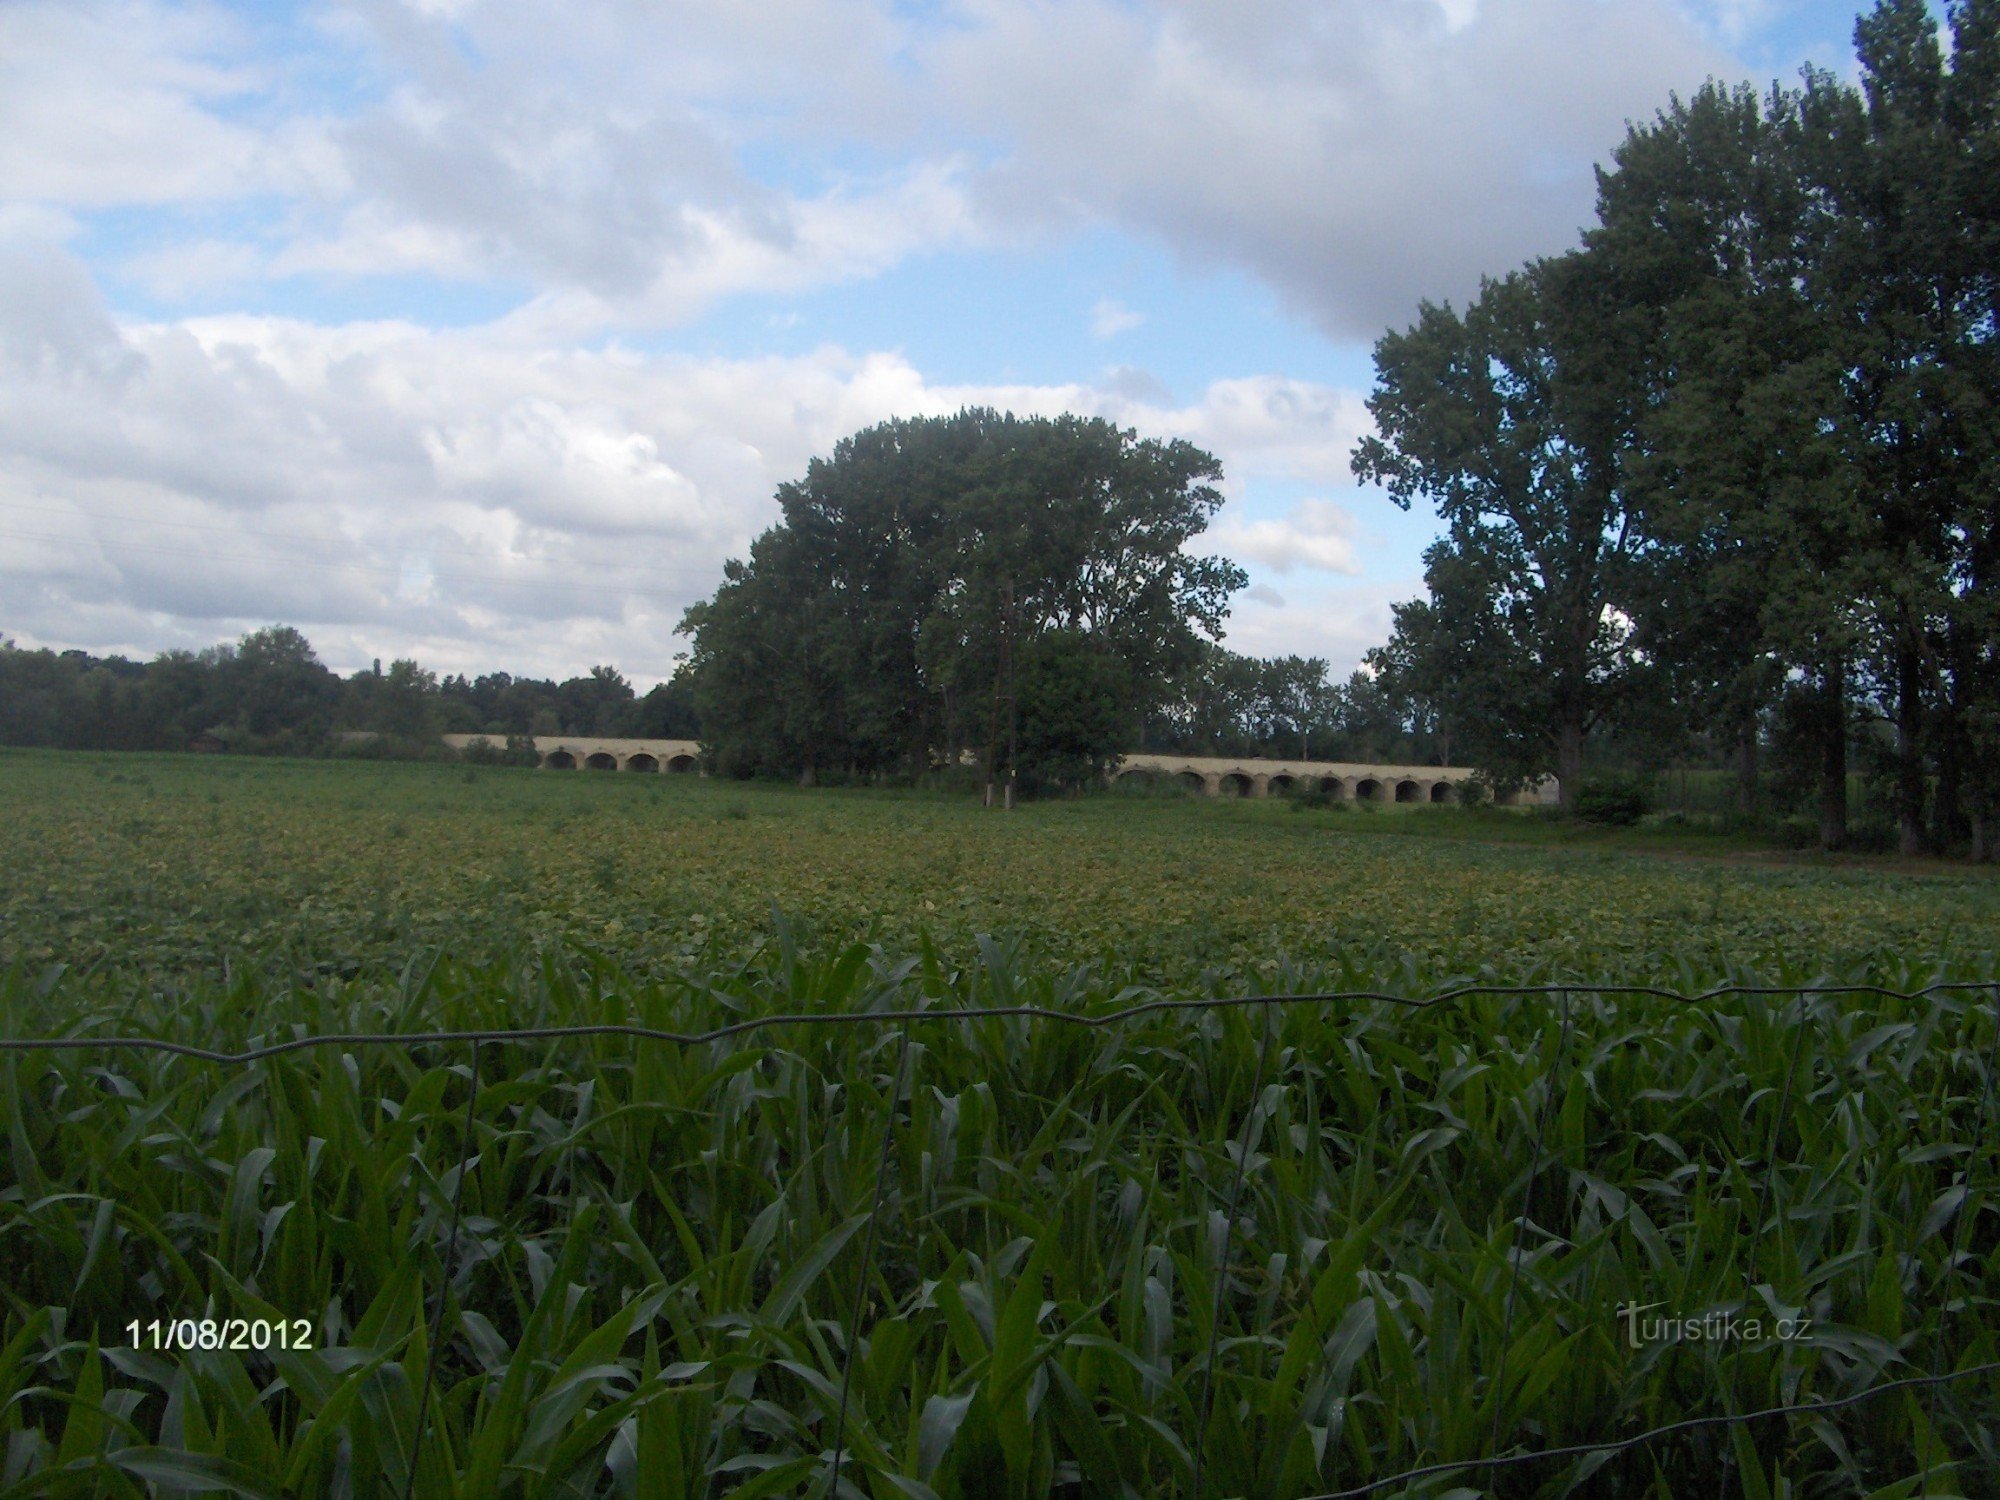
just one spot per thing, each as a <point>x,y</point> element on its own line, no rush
<point>654,1285</point>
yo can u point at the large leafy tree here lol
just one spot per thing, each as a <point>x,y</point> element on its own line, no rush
<point>1813,481</point>
<point>889,621</point>
<point>1755,538</point>
<point>1512,419</point>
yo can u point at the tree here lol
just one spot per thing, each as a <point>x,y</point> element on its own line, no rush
<point>883,625</point>
<point>281,689</point>
<point>1513,420</point>
<point>1075,709</point>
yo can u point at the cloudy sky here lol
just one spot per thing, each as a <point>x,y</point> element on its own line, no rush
<point>481,331</point>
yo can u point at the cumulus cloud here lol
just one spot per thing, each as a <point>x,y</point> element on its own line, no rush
<point>487,499</point>
<point>554,487</point>
<point>638,162</point>
<point>1316,534</point>
<point>1356,155</point>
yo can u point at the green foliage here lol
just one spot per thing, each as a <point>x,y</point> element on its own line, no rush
<point>881,624</point>
<point>1076,710</point>
<point>1619,801</point>
<point>1738,449</point>
<point>659,1247</point>
<point>655,1272</point>
<point>515,750</point>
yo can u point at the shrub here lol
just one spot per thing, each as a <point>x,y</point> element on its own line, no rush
<point>1619,801</point>
<point>518,751</point>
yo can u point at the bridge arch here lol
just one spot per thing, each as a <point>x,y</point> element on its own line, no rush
<point>1368,789</point>
<point>1191,781</point>
<point>559,760</point>
<point>1233,784</point>
<point>1281,785</point>
<point>680,765</point>
<point>1443,791</point>
<point>600,760</point>
<point>1409,791</point>
<point>641,762</point>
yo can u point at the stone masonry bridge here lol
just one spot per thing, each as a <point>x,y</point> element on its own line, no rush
<point>1211,775</point>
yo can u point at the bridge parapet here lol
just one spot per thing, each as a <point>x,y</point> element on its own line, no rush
<point>1213,776</point>
<point>1218,776</point>
<point>569,752</point>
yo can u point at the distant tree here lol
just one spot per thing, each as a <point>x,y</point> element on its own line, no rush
<point>667,712</point>
<point>595,704</point>
<point>281,689</point>
<point>402,704</point>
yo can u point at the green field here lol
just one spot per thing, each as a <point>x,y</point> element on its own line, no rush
<point>179,865</point>
<point>654,1285</point>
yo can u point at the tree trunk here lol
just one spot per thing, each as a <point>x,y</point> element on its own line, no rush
<point>1949,823</point>
<point>1833,758</point>
<point>1746,764</point>
<point>1569,759</point>
<point>1909,749</point>
<point>808,776</point>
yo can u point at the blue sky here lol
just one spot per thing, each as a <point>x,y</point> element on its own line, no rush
<point>482,331</point>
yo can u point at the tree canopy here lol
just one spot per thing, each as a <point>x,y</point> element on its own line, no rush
<point>1731,468</point>
<point>1016,588</point>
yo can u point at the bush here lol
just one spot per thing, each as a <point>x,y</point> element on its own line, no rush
<point>1618,801</point>
<point>518,751</point>
<point>1317,800</point>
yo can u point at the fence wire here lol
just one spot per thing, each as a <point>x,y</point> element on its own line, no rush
<point>907,1018</point>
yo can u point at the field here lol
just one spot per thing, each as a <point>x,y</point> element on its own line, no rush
<point>1267,1250</point>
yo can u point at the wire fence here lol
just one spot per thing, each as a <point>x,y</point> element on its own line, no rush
<point>1986,1129</point>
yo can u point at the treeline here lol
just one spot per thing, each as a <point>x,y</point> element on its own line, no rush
<point>1729,475</point>
<point>1289,708</point>
<point>269,693</point>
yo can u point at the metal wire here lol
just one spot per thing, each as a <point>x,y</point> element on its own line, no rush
<point>1007,1012</point>
<point>1654,1434</point>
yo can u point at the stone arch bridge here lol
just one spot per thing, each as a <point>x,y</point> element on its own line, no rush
<point>1213,776</point>
<point>1346,781</point>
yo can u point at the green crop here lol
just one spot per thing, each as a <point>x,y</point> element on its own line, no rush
<point>660,1245</point>
<point>672,1260</point>
<point>168,866</point>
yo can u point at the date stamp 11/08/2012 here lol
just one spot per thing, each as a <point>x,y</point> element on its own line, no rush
<point>189,1334</point>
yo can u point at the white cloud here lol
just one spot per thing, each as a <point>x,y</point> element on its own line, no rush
<point>1109,318</point>
<point>471,497</point>
<point>1316,534</point>
<point>1356,155</point>
<point>109,104</point>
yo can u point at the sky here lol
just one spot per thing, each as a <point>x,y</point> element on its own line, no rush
<point>483,331</point>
